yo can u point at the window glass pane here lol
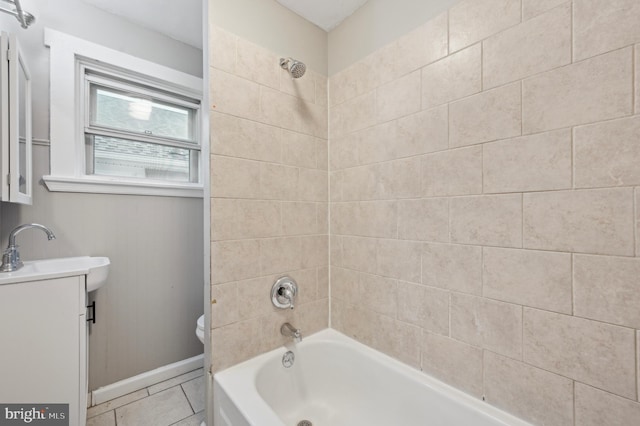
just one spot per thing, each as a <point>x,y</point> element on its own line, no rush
<point>126,158</point>
<point>130,112</point>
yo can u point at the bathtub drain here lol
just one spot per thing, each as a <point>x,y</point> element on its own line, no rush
<point>305,423</point>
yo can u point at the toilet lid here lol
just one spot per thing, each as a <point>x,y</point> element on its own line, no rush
<point>201,322</point>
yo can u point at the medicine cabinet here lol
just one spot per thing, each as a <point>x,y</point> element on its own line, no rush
<point>15,150</point>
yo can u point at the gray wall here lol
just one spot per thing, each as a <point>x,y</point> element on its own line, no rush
<point>375,24</point>
<point>148,308</point>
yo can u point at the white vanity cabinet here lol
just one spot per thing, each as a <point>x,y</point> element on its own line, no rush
<point>43,335</point>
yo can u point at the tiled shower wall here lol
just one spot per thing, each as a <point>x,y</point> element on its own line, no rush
<point>269,189</point>
<point>484,178</point>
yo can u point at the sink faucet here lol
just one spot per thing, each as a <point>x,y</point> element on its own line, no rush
<point>11,257</point>
<point>290,331</point>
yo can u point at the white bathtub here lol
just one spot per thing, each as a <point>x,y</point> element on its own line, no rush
<point>336,381</point>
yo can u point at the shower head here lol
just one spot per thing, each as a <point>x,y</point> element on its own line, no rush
<point>295,68</point>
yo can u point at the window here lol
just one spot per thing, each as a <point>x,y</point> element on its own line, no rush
<point>135,131</point>
<point>120,124</point>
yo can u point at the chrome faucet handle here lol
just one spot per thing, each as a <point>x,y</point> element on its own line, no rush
<point>284,292</point>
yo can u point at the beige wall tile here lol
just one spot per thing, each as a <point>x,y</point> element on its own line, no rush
<point>239,219</point>
<point>534,395</point>
<point>322,153</point>
<point>239,339</point>
<point>607,289</point>
<point>424,45</point>
<point>399,259</point>
<point>601,26</point>
<point>419,133</point>
<point>314,317</point>
<point>345,285</point>
<point>234,178</point>
<point>279,255</point>
<point>222,49</point>
<point>454,267</point>
<point>453,172</point>
<point>322,214</point>
<point>335,247</point>
<point>299,218</point>
<point>321,89</point>
<point>591,352</point>
<point>398,98</point>
<point>360,254</point>
<point>343,151</point>
<point>637,78</point>
<point>379,294</point>
<point>537,45</point>
<point>251,296</point>
<point>531,8</point>
<point>530,163</point>
<point>398,339</point>
<point>607,154</point>
<point>314,251</point>
<point>354,322</point>
<point>584,92</point>
<point>303,88</point>
<point>598,221</point>
<point>349,83</point>
<point>367,219</point>
<point>595,408</point>
<point>235,137</point>
<point>487,220</point>
<point>426,307</point>
<point>224,304</point>
<point>278,182</point>
<point>234,260</point>
<point>453,362</point>
<point>234,95</point>
<point>336,183</point>
<point>453,77</point>
<point>473,20</point>
<point>323,282</point>
<point>425,220</point>
<point>410,52</point>
<point>291,113</point>
<point>313,185</point>
<point>488,116</point>
<point>383,181</point>
<point>257,64</point>
<point>299,150</point>
<point>489,324</point>
<point>531,278</point>
<point>353,115</point>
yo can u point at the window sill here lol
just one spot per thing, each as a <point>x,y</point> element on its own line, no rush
<point>105,185</point>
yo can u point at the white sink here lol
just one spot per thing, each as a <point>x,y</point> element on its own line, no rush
<point>95,268</point>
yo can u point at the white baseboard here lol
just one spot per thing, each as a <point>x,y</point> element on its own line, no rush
<point>146,379</point>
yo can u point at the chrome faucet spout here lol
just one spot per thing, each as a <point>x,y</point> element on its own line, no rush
<point>290,331</point>
<point>11,257</point>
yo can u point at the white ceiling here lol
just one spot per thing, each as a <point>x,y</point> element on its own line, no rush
<point>182,19</point>
<point>327,14</point>
<point>178,19</point>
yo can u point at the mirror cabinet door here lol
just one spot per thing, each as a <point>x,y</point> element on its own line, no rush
<point>20,138</point>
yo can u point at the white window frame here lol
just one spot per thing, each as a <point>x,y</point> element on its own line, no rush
<point>68,58</point>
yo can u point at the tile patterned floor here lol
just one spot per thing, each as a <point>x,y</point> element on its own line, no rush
<point>174,402</point>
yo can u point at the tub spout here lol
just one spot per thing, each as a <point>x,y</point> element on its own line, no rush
<point>290,331</point>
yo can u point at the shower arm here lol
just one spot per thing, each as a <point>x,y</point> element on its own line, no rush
<point>23,17</point>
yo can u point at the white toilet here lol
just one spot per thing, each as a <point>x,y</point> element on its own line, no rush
<point>200,328</point>
<point>200,334</point>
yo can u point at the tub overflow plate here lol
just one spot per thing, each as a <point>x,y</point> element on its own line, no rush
<point>287,360</point>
